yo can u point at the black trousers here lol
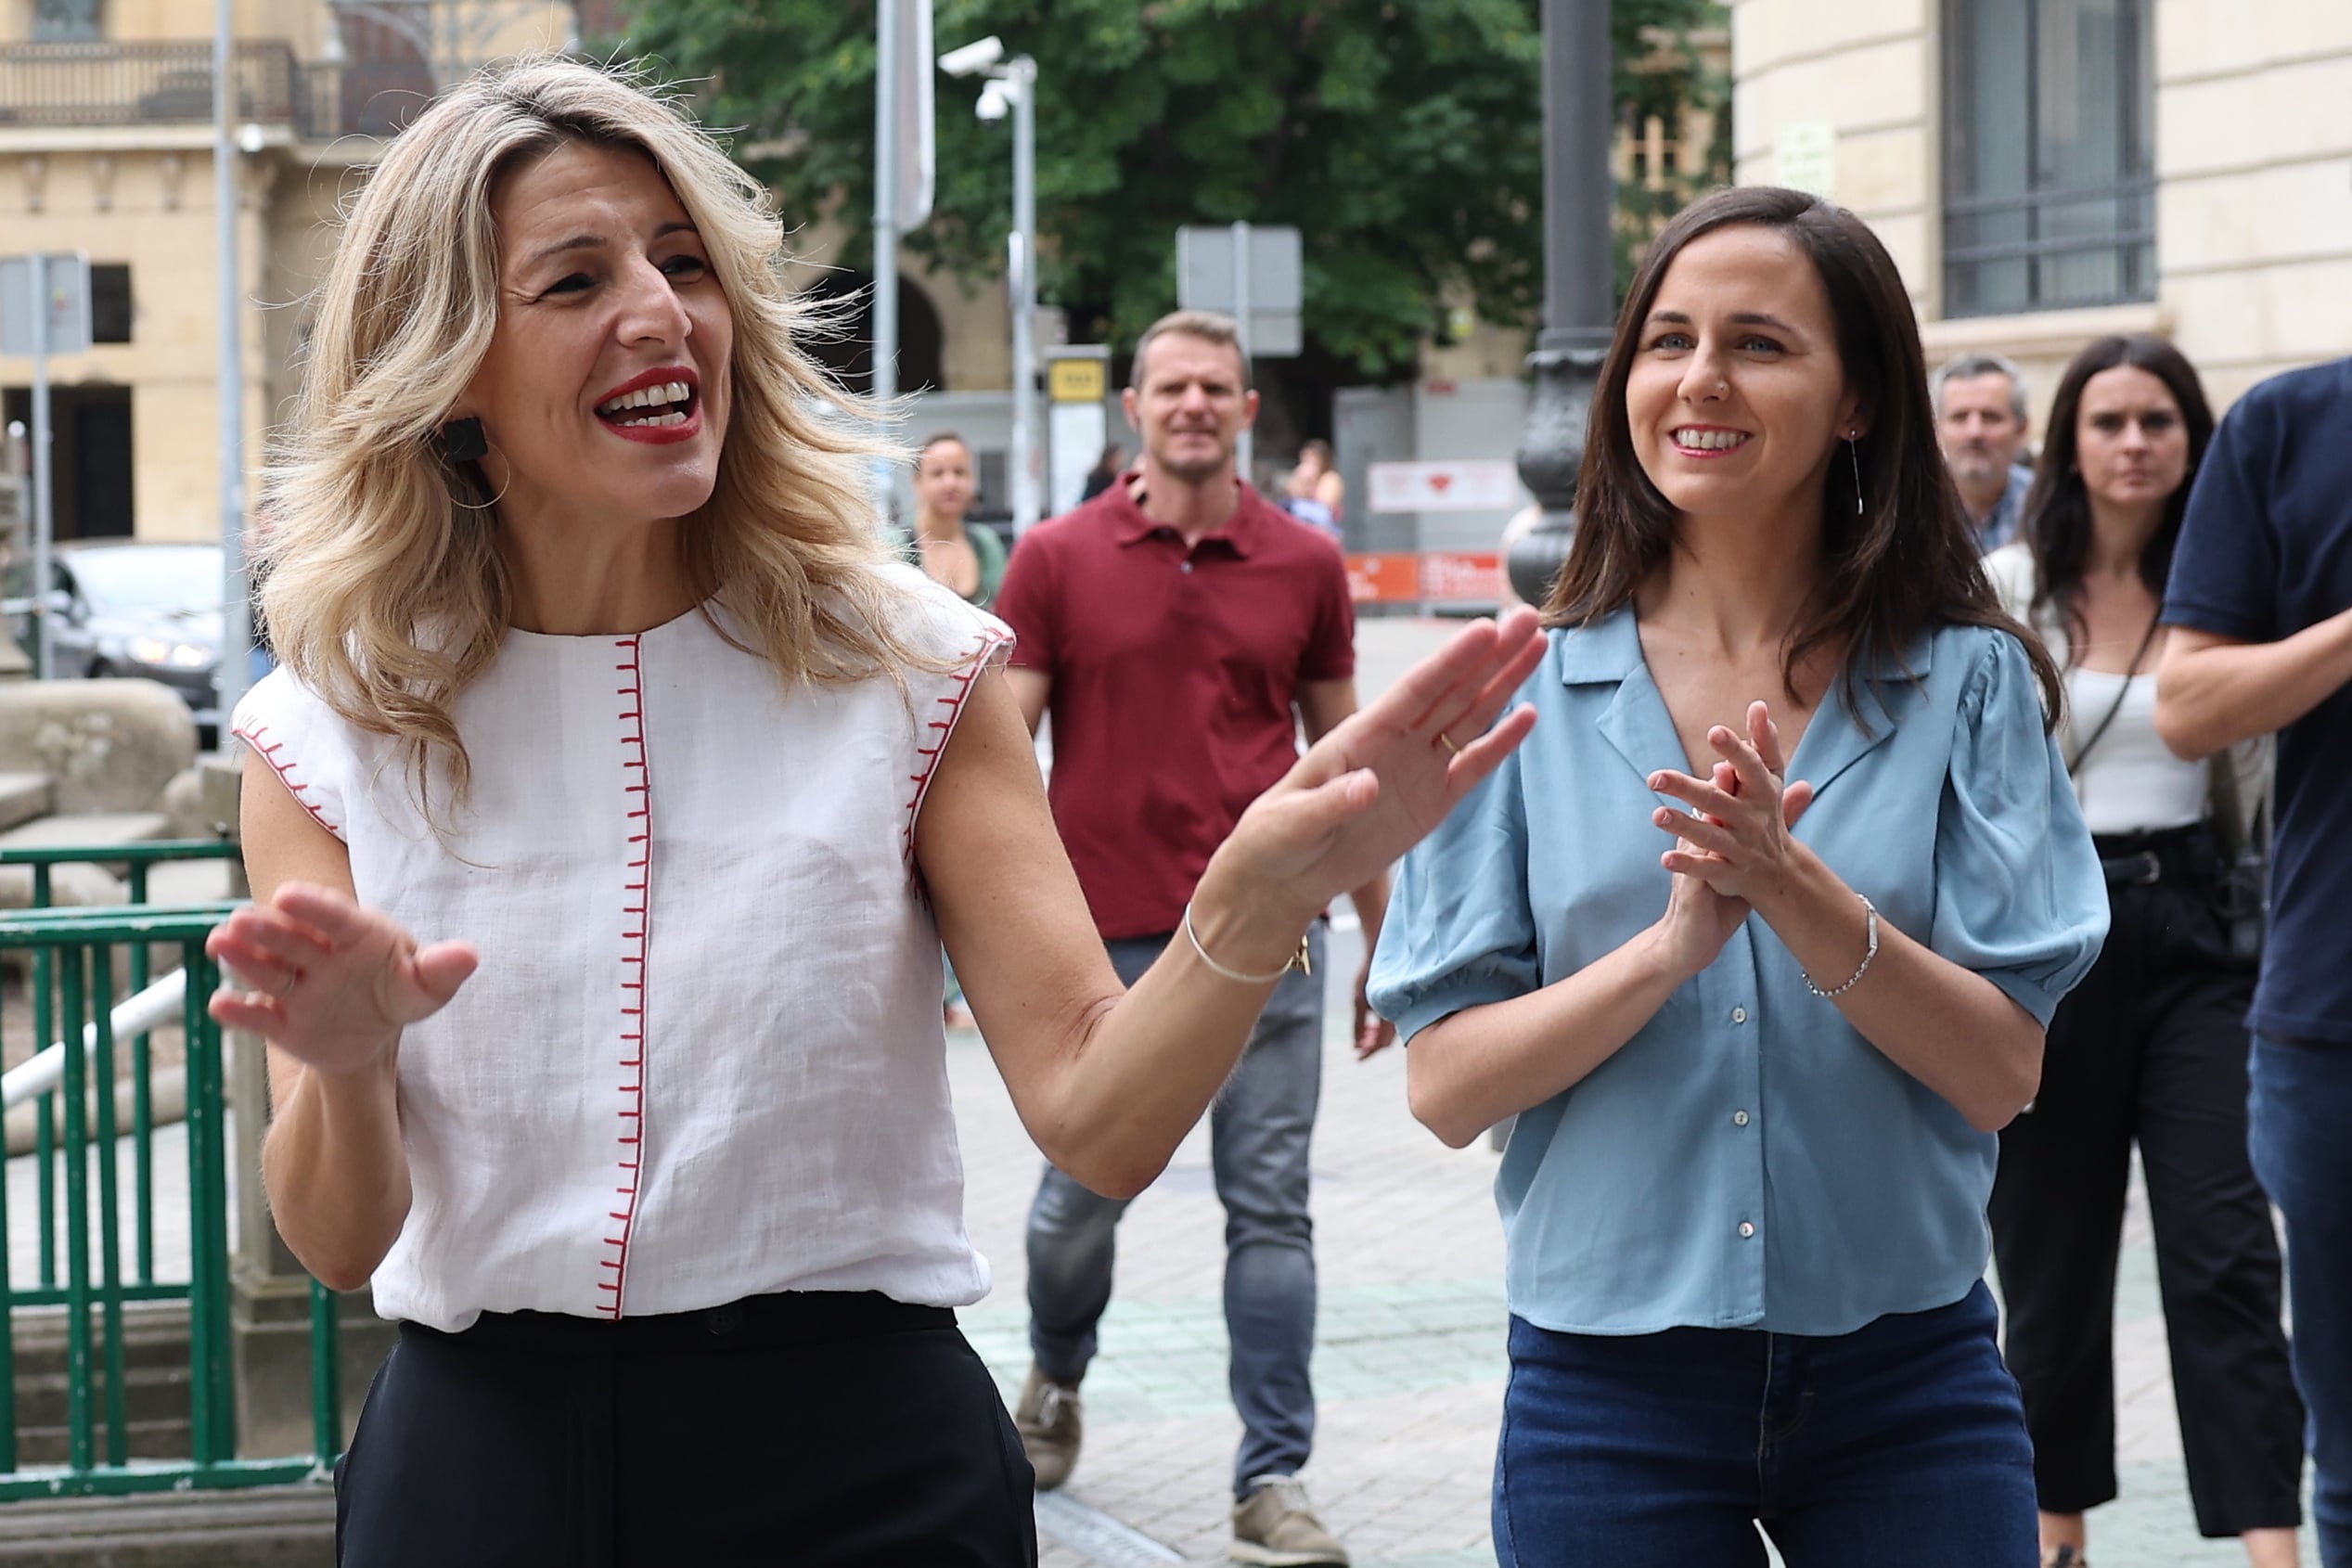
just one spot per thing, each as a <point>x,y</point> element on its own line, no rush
<point>812,1430</point>
<point>2151,1046</point>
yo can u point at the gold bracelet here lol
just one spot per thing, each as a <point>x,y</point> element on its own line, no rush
<point>1298,961</point>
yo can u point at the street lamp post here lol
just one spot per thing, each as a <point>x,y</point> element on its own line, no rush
<point>1012,85</point>
<point>1579,303</point>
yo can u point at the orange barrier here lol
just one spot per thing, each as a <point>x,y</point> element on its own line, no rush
<point>1425,577</point>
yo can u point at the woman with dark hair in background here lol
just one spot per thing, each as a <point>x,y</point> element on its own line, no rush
<point>968,560</point>
<point>2153,1047</point>
<point>1758,1076</point>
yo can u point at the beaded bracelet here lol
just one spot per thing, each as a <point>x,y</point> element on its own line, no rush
<point>1870,910</point>
<point>1298,959</point>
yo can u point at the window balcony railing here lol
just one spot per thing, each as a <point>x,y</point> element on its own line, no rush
<point>170,83</point>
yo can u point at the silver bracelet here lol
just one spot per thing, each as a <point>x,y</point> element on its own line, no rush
<point>1298,959</point>
<point>1870,911</point>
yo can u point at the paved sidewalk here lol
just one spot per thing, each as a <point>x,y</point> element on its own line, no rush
<point>1409,1363</point>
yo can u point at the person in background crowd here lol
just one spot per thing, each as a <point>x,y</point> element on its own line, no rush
<point>2259,607</point>
<point>1105,471</point>
<point>1980,423</point>
<point>1758,1077</point>
<point>969,560</point>
<point>2151,1046</point>
<point>1315,494</point>
<point>1181,632</point>
<point>598,679</point>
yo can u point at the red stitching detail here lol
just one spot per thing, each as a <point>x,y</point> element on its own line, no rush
<point>975,662</point>
<point>284,772</point>
<point>631,1031</point>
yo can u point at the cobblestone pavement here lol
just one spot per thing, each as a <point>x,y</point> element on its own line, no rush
<point>1409,1361</point>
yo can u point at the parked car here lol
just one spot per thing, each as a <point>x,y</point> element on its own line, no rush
<point>134,609</point>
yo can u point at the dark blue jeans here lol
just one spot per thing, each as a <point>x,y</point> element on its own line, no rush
<point>2296,1118</point>
<point>1900,1443</point>
<point>1259,1129</point>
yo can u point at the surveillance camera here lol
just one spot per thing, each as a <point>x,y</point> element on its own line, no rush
<point>973,57</point>
<point>995,99</point>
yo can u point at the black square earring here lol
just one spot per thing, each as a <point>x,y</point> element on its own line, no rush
<point>462,441</point>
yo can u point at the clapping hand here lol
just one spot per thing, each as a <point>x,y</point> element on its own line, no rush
<point>1380,781</point>
<point>1733,839</point>
<point>332,982</point>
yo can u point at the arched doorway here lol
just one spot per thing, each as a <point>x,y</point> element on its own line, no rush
<point>850,355</point>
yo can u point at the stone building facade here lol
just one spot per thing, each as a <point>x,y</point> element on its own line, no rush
<point>2046,171</point>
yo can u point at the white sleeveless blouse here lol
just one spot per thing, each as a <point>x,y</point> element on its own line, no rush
<point>702,1056</point>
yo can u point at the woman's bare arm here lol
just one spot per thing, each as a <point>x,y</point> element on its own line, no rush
<point>334,983</point>
<point>1107,1082</point>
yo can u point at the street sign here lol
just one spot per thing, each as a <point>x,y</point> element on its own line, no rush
<point>1464,486</point>
<point>1244,270</point>
<point>67,284</point>
<point>1077,380</point>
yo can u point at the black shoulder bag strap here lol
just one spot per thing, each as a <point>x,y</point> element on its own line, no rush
<point>2074,764</point>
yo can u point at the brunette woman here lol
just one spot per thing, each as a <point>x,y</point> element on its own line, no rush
<point>953,553</point>
<point>1757,1076</point>
<point>2151,1050</point>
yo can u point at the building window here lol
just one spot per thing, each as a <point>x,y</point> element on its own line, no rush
<point>109,302</point>
<point>66,21</point>
<point>2049,188</point>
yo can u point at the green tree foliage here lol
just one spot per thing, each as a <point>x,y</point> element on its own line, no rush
<point>1404,138</point>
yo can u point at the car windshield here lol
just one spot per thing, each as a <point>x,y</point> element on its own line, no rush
<point>159,578</point>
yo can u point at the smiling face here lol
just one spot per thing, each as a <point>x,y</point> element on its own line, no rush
<point>604,392</point>
<point>2130,441</point>
<point>1736,396</point>
<point>1188,402</point>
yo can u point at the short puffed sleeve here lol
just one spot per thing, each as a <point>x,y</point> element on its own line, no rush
<point>1459,931</point>
<point>305,742</point>
<point>2019,894</point>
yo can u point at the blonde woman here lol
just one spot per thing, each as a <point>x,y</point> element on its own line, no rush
<point>604,822</point>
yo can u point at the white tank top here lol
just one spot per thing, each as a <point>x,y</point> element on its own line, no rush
<point>2129,782</point>
<point>702,1056</point>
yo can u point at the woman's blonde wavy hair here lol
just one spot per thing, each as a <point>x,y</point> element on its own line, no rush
<point>385,590</point>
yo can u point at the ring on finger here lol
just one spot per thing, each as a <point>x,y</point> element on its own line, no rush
<point>1447,741</point>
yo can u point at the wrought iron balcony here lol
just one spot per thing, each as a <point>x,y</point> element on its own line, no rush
<point>170,83</point>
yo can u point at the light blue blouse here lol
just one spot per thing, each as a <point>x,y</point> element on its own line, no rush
<point>1748,1159</point>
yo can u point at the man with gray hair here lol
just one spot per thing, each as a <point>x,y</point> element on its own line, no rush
<point>1980,423</point>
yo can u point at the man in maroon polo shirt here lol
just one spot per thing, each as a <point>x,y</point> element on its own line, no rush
<point>1180,629</point>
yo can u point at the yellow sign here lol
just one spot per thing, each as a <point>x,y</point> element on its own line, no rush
<point>1077,380</point>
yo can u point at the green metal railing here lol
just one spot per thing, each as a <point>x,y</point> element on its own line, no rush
<point>80,1198</point>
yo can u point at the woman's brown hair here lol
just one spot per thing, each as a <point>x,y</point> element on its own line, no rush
<point>2057,511</point>
<point>1905,564</point>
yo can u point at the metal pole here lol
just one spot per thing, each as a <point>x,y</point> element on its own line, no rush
<point>1244,449</point>
<point>1022,74</point>
<point>43,520</point>
<point>236,633</point>
<point>884,384</point>
<point>883,381</point>
<point>1579,283</point>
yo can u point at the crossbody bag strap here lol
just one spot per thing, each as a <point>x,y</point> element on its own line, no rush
<point>2075,765</point>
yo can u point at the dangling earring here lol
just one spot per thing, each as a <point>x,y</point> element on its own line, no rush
<point>462,441</point>
<point>1854,452</point>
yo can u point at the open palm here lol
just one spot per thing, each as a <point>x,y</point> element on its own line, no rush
<point>1380,781</point>
<point>334,983</point>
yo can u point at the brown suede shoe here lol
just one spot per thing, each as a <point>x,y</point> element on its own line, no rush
<point>1049,1424</point>
<point>1274,1526</point>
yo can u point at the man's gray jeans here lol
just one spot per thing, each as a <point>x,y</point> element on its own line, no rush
<point>1259,1130</point>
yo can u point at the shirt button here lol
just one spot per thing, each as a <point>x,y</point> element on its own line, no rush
<point>1746,1230</point>
<point>1739,1118</point>
<point>1184,566</point>
<point>1739,1015</point>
